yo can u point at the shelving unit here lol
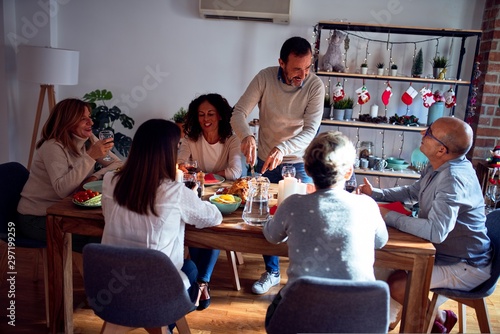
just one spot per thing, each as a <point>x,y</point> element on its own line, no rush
<point>386,31</point>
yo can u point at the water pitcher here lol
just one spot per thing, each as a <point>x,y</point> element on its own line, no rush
<point>256,211</point>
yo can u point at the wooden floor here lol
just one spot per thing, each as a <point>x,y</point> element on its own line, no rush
<point>231,311</point>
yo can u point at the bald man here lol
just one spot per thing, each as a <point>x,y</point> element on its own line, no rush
<point>451,214</point>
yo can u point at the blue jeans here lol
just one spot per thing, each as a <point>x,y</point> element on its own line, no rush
<point>189,268</point>
<point>273,262</point>
<point>205,260</point>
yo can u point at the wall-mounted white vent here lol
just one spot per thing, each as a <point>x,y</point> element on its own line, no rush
<point>276,11</point>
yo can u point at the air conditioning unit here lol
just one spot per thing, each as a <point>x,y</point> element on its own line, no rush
<point>275,11</point>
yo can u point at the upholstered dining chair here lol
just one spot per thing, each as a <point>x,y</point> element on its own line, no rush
<point>476,298</point>
<point>326,305</point>
<point>134,288</point>
<point>13,177</point>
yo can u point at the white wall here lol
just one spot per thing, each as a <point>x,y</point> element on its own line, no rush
<point>121,42</point>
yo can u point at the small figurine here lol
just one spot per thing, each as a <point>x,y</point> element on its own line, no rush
<point>494,162</point>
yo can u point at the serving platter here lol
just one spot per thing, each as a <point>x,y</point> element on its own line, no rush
<point>97,205</point>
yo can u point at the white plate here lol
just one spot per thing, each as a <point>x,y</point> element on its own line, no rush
<point>94,186</point>
<point>98,205</point>
<point>219,178</point>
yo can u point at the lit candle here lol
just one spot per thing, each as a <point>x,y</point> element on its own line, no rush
<point>179,175</point>
<point>301,188</point>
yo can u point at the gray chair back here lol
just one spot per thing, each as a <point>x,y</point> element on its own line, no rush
<point>133,287</point>
<point>325,305</point>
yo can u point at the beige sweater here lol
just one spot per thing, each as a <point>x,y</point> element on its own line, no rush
<point>56,174</point>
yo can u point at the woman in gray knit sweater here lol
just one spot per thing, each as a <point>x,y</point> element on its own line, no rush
<point>330,233</point>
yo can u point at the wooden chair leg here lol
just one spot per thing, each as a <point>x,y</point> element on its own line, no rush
<point>462,318</point>
<point>231,258</point>
<point>482,315</point>
<point>182,326</point>
<point>37,262</point>
<point>46,284</point>
<point>239,258</point>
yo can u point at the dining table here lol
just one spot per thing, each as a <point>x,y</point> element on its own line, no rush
<point>402,251</point>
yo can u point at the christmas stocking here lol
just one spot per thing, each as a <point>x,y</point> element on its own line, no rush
<point>363,95</point>
<point>449,98</point>
<point>409,95</point>
<point>427,96</point>
<point>386,95</point>
<point>338,92</point>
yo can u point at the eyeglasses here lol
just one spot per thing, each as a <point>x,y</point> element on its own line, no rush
<point>428,133</point>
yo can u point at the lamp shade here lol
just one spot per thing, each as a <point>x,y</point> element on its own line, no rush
<point>46,65</point>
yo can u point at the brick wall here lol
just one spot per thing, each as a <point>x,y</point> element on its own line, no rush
<point>486,121</point>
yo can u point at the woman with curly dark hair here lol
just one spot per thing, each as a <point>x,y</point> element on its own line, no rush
<point>209,137</point>
<point>210,141</point>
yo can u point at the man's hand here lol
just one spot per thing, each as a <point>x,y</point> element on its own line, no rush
<point>273,159</point>
<point>365,188</point>
<point>249,149</point>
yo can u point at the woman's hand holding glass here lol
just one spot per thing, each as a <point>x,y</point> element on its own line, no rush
<point>104,135</point>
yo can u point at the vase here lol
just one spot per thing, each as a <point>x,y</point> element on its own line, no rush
<point>436,71</point>
<point>435,111</point>
<point>364,70</point>
<point>394,72</point>
<point>380,71</point>
<point>326,112</point>
<point>348,114</point>
<point>338,114</point>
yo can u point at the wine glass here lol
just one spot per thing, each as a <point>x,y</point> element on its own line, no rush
<point>105,134</point>
<point>350,185</point>
<point>191,165</point>
<point>493,196</point>
<point>288,171</point>
<point>191,181</point>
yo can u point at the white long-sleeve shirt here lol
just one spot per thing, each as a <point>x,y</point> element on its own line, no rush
<point>176,206</point>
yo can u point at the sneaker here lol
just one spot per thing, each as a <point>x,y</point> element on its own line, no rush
<point>266,281</point>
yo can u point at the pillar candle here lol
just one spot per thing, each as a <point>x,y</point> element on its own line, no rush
<point>289,186</point>
<point>179,175</point>
<point>281,193</point>
<point>374,111</point>
<point>301,188</point>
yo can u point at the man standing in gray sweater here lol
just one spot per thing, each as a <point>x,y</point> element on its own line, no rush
<point>290,101</point>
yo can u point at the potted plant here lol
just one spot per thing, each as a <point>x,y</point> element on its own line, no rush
<point>179,118</point>
<point>418,63</point>
<point>394,70</point>
<point>104,118</point>
<point>348,105</point>
<point>438,65</point>
<point>380,68</point>
<point>364,68</point>
<point>338,110</point>
<point>327,106</point>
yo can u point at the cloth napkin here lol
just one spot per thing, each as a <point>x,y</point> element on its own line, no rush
<point>396,206</point>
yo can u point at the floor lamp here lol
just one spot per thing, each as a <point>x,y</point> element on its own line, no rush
<point>48,67</point>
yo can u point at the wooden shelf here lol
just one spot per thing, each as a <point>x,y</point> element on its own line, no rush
<point>391,78</point>
<point>404,174</point>
<point>385,126</point>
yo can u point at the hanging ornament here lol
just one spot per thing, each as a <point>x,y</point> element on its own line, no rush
<point>338,92</point>
<point>386,95</point>
<point>450,99</point>
<point>427,97</point>
<point>409,95</point>
<point>363,95</point>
